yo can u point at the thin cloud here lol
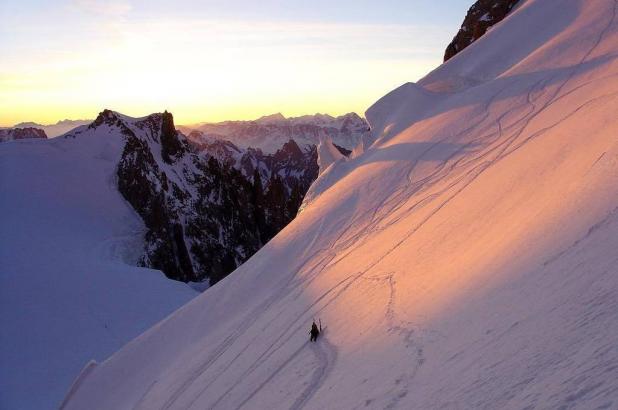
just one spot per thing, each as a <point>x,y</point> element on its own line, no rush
<point>110,8</point>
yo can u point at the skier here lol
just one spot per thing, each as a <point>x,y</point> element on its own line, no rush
<point>314,332</point>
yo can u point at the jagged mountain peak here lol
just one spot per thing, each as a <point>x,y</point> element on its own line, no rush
<point>111,116</point>
<point>291,147</point>
<point>106,116</point>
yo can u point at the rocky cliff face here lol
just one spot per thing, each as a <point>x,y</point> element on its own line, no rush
<point>207,206</point>
<point>10,134</point>
<point>278,181</point>
<point>481,16</point>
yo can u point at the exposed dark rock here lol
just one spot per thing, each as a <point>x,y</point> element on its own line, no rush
<point>170,144</point>
<point>481,16</point>
<point>10,134</point>
<point>207,207</point>
<point>107,117</point>
<point>344,151</point>
<point>144,186</point>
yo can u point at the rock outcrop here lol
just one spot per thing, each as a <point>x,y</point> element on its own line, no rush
<point>481,16</point>
<point>10,134</point>
<point>207,206</point>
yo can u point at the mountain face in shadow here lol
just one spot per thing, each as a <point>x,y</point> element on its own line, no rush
<point>207,204</point>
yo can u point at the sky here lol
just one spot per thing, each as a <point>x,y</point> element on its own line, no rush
<point>213,60</point>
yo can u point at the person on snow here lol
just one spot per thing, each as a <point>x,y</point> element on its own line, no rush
<point>314,332</point>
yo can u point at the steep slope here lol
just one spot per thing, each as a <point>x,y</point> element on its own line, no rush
<point>271,132</point>
<point>68,292</point>
<point>465,259</point>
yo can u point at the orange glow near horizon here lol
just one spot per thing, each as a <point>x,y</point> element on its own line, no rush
<point>205,71</point>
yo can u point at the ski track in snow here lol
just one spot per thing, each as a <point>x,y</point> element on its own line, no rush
<point>503,151</point>
<point>246,324</point>
<point>475,167</point>
<point>289,332</point>
<point>453,175</point>
<point>326,355</point>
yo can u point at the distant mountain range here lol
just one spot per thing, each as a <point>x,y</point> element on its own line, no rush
<point>208,204</point>
<point>53,130</point>
<point>270,132</point>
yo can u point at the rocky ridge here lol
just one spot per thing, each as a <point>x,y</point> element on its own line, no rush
<point>207,206</point>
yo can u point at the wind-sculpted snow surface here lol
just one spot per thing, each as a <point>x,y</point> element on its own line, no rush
<point>465,259</point>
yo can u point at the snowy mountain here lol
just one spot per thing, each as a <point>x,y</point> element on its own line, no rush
<point>464,258</point>
<point>54,130</point>
<point>11,134</point>
<point>120,192</point>
<point>269,133</point>
<point>207,207</point>
<point>69,291</point>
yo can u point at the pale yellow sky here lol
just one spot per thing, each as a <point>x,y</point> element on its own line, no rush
<point>201,68</point>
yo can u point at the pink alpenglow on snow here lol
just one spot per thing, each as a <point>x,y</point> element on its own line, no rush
<point>464,258</point>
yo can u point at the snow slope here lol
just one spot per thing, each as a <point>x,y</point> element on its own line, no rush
<point>66,292</point>
<point>467,259</point>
